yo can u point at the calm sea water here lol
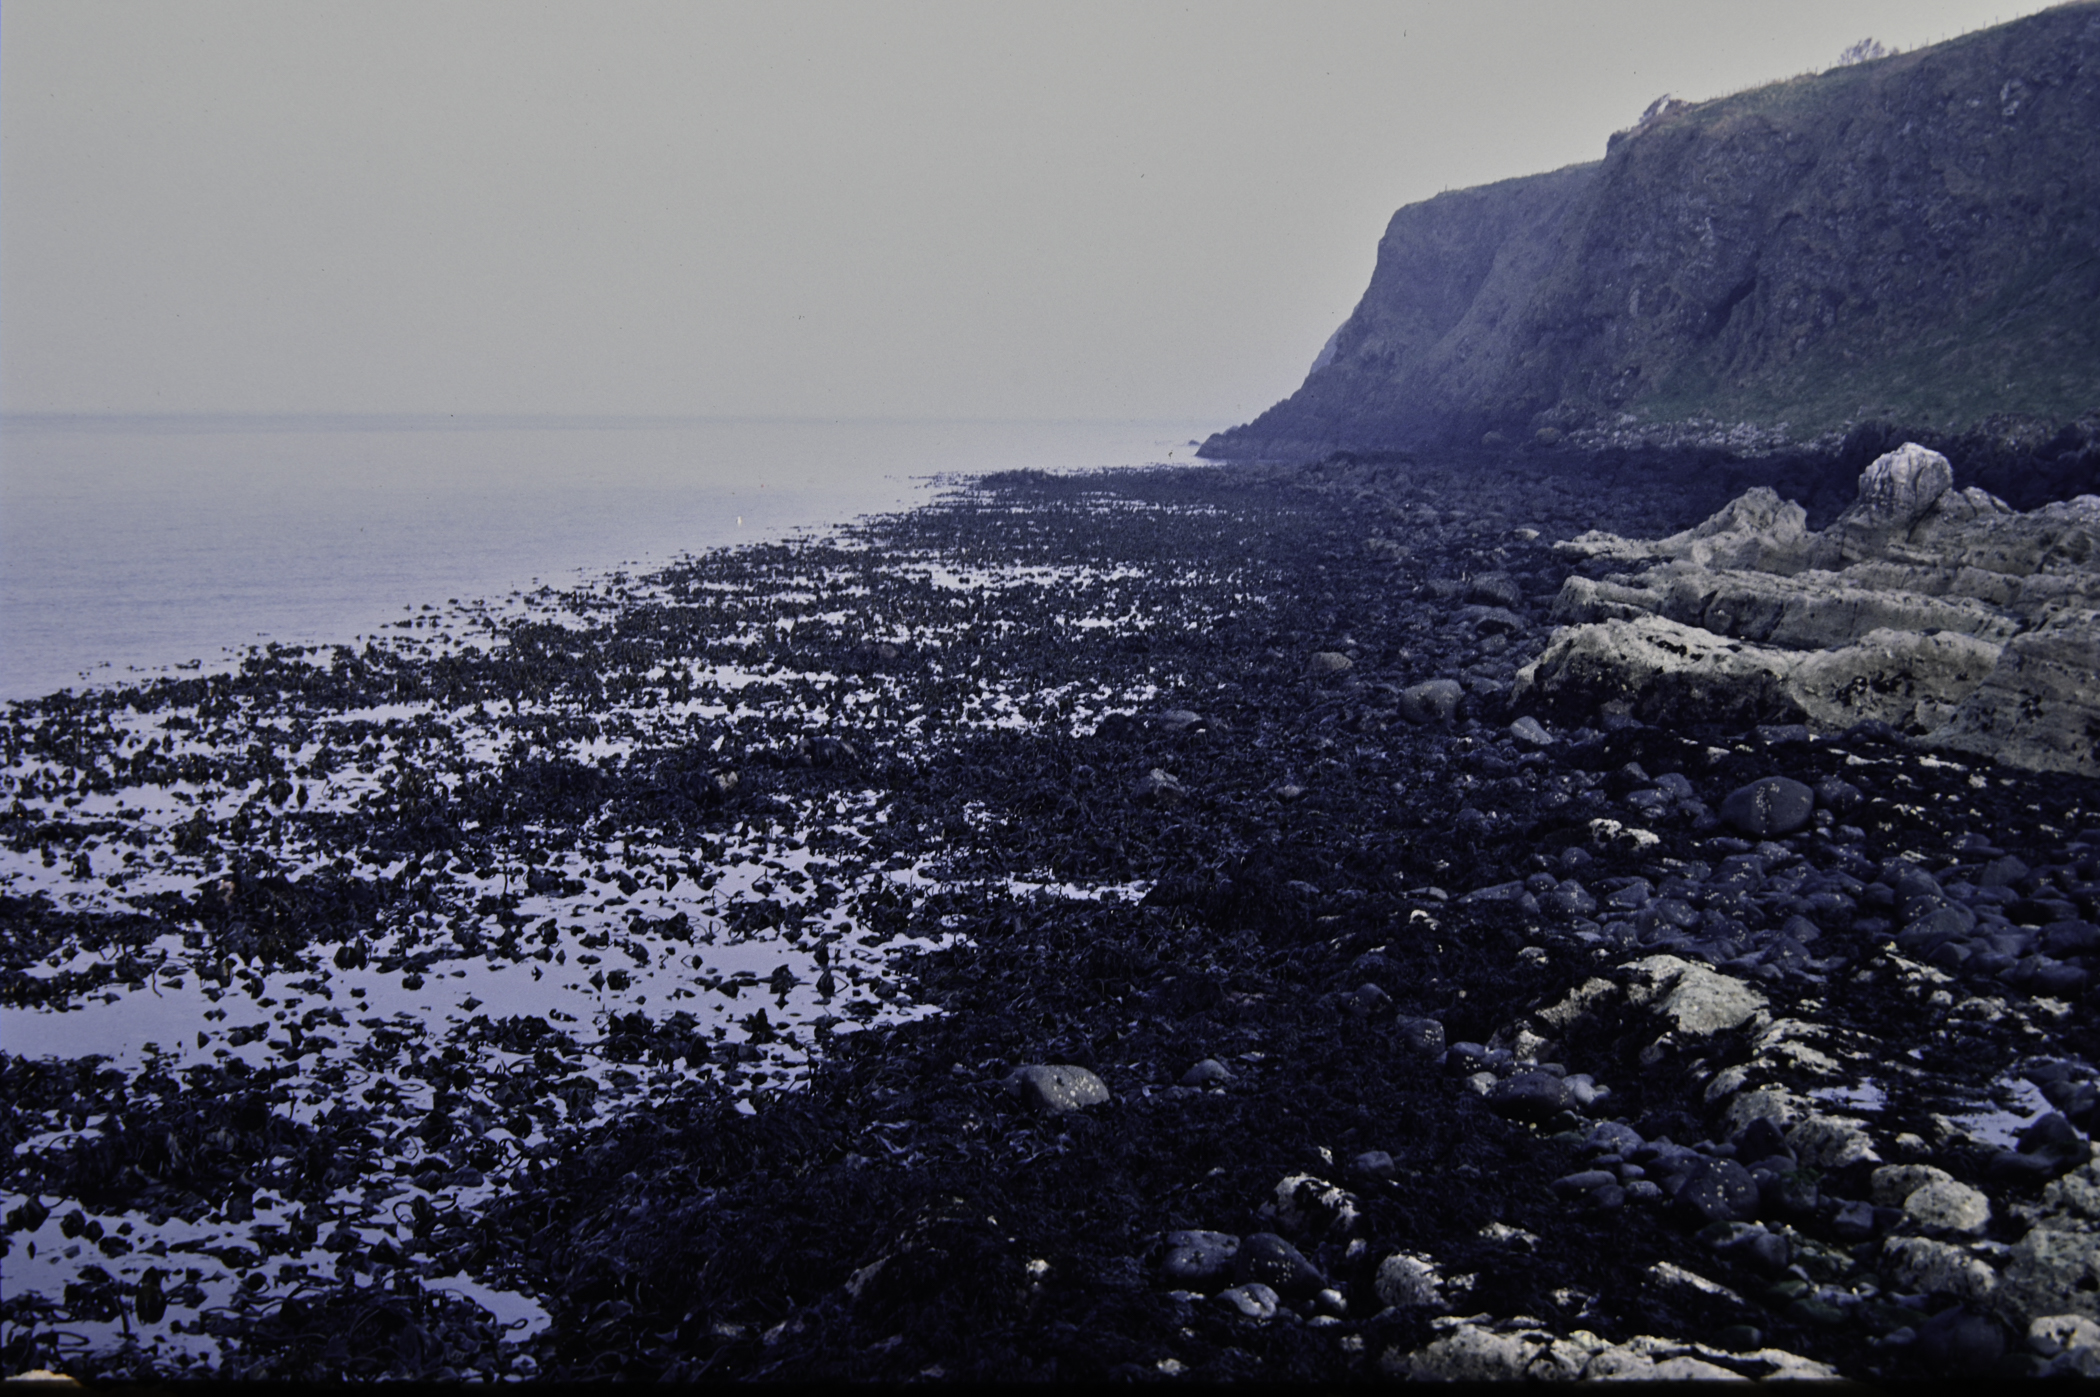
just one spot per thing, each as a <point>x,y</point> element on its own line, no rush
<point>131,545</point>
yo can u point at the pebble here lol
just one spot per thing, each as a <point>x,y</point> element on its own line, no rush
<point>1208,1072</point>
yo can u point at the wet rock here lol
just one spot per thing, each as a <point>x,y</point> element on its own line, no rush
<point>1374,1164</point>
<point>1269,1260</point>
<point>1531,1095</point>
<point>1422,1037</point>
<point>1568,898</point>
<point>1251,1301</point>
<point>1199,1259</point>
<point>2047,1148</point>
<point>1056,1088</point>
<point>1719,1190</point>
<point>1765,809</point>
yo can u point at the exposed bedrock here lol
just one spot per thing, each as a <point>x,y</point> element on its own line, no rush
<point>1941,612</point>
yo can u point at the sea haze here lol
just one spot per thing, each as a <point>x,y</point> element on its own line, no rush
<point>130,545</point>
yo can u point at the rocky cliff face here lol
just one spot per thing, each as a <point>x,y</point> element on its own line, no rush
<point>1911,240</point>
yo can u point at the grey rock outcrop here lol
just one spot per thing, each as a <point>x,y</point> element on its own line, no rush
<point>1942,612</point>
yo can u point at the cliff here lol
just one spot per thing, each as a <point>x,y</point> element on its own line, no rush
<point>1912,240</point>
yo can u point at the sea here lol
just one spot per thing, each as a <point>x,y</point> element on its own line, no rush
<point>133,546</point>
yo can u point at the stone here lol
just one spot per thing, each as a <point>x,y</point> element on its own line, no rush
<point>1854,1220</point>
<point>1719,1190</point>
<point>1530,1095</point>
<point>1830,1142</point>
<point>1583,1182</point>
<point>1208,1072</point>
<point>1937,1268</point>
<point>1495,589</point>
<point>1431,701</point>
<point>1199,1259</point>
<point>1405,1281</point>
<point>1895,493</point>
<point>2054,1138</point>
<point>1892,1183</point>
<point>1252,1301</point>
<point>1304,1203</point>
<point>1469,1354</point>
<point>1375,1164</point>
<point>1611,1137</point>
<point>1947,1206</point>
<point>1422,1037</point>
<point>1330,662</point>
<point>1695,999</point>
<point>1774,806</point>
<point>1958,1341</point>
<point>1158,787</point>
<point>1569,898</point>
<point>1053,1089</point>
<point>1531,732</point>
<point>1273,1262</point>
<point>2049,1335</point>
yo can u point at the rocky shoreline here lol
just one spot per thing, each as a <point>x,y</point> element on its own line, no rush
<point>1114,926</point>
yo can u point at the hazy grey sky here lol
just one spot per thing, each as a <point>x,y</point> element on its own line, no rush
<point>905,209</point>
